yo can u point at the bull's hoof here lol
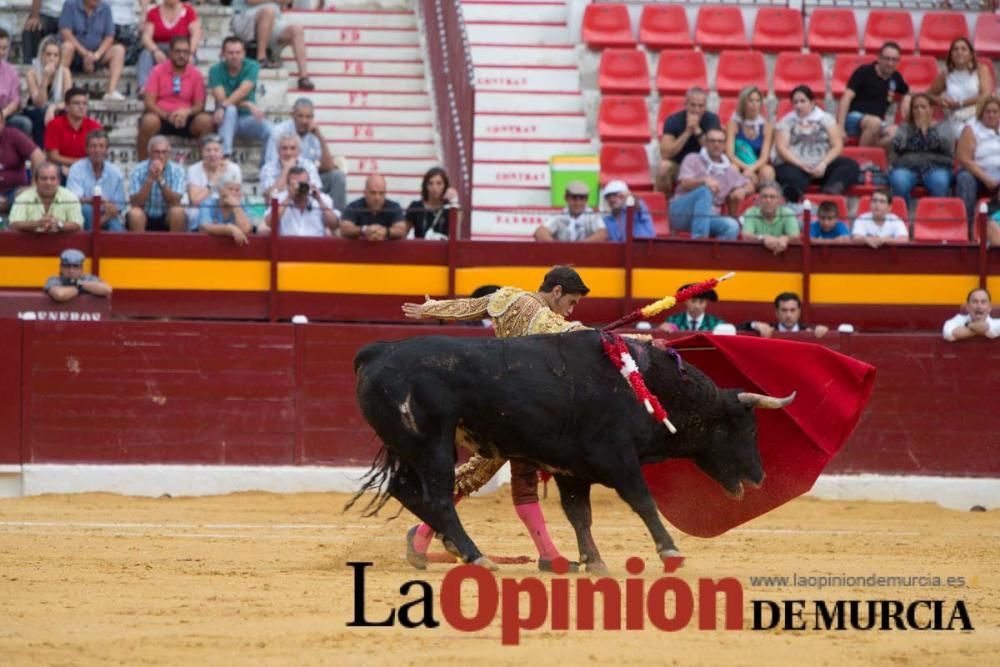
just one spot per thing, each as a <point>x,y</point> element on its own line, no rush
<point>546,565</point>
<point>599,568</point>
<point>414,557</point>
<point>483,561</point>
<point>670,553</point>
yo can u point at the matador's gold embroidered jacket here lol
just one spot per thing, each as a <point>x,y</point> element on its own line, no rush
<point>515,312</point>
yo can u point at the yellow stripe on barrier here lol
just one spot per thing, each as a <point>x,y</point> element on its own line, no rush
<point>30,271</point>
<point>604,283</point>
<point>186,274</point>
<point>322,277</point>
<point>890,289</point>
<point>753,286</point>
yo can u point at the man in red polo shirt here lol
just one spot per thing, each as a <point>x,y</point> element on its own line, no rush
<point>175,98</point>
<point>66,135</point>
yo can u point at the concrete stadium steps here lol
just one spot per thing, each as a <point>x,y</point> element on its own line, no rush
<point>508,174</point>
<point>488,196</point>
<point>515,33</point>
<point>368,36</point>
<point>402,187</point>
<point>364,115</point>
<point>508,224</point>
<point>362,52</point>
<point>404,166</point>
<point>356,18</point>
<point>370,99</point>
<point>558,55</point>
<point>530,126</point>
<point>528,12</point>
<point>509,78</point>
<point>378,83</point>
<point>523,151</point>
<point>539,103</point>
<point>381,132</point>
<point>380,149</point>
<point>340,66</point>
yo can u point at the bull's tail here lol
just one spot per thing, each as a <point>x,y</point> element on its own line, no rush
<point>385,463</point>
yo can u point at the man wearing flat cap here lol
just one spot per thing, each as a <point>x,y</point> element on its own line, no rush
<point>616,197</point>
<point>696,318</point>
<point>577,222</point>
<point>72,281</point>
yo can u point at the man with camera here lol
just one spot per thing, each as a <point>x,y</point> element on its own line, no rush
<point>303,209</point>
<point>72,281</point>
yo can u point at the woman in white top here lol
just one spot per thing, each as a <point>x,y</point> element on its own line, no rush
<point>749,136</point>
<point>963,84</point>
<point>978,155</point>
<point>203,177</point>
<point>48,81</point>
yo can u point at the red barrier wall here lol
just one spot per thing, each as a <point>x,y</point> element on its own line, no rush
<point>252,393</point>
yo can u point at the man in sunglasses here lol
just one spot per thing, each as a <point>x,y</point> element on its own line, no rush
<point>577,222</point>
<point>174,98</point>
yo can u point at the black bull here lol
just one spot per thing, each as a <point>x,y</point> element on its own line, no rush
<point>556,400</point>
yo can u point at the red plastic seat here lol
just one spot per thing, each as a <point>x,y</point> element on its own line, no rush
<point>844,65</point>
<point>794,69</point>
<point>678,71</point>
<point>669,105</point>
<point>656,202</point>
<point>623,71</point>
<point>623,118</point>
<point>918,71</point>
<point>889,26</point>
<point>938,30</point>
<point>987,35</point>
<point>626,162</point>
<point>665,27</point>
<point>898,207</point>
<point>727,107</point>
<point>840,200</point>
<point>833,31</point>
<point>718,28</point>
<point>940,219</point>
<point>606,26</point>
<point>777,29</point>
<point>739,69</point>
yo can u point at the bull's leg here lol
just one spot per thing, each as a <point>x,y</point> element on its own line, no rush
<point>575,498</point>
<point>406,486</point>
<point>633,490</point>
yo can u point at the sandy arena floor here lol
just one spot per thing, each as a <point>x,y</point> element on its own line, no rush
<point>261,579</point>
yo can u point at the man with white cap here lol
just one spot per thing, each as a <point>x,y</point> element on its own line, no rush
<point>72,281</point>
<point>616,195</point>
<point>577,222</point>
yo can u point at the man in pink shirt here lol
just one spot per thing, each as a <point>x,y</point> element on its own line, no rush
<point>174,98</point>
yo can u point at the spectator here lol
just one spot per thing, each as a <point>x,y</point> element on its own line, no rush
<point>234,86</point>
<point>879,225</point>
<point>10,89</point>
<point>923,153</point>
<point>978,154</point>
<point>204,176</point>
<point>707,186</point>
<point>427,217</point>
<point>48,80</point>
<point>93,171</point>
<point>963,85</point>
<point>155,191</point>
<point>827,226</point>
<point>304,210</point>
<point>616,196</point>
<point>682,134</point>
<point>373,217</point>
<point>48,207</point>
<point>66,135</point>
<point>274,173</point>
<point>170,19</point>
<point>750,136</point>
<point>993,227</point>
<point>809,146</point>
<point>577,222</point>
<point>870,91</point>
<point>975,319</point>
<point>174,98</point>
<point>15,150</point>
<point>223,214</point>
<point>697,317</point>
<point>42,21</point>
<point>72,281</point>
<point>261,22</point>
<point>87,33</point>
<point>769,222</point>
<point>788,311</point>
<point>314,148</point>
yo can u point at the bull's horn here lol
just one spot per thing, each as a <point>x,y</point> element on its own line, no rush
<point>764,402</point>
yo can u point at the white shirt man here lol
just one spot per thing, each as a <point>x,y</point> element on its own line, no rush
<point>305,212</point>
<point>976,321</point>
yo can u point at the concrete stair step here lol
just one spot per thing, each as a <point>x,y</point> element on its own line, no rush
<point>380,149</point>
<point>523,79</point>
<point>334,132</point>
<point>558,56</point>
<point>362,115</point>
<point>355,18</point>
<point>408,185</point>
<point>385,83</point>
<point>363,99</point>
<point>503,196</point>
<point>540,151</point>
<point>365,5</point>
<point>537,13</point>
<point>399,165</point>
<point>530,126</point>
<point>504,173</point>
<point>316,36</point>
<point>366,52</point>
<point>529,103</point>
<point>507,225</point>
<point>319,67</point>
<point>493,32</point>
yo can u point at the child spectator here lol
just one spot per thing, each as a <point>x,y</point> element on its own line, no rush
<point>827,226</point>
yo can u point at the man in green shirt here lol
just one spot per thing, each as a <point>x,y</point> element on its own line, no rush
<point>769,222</point>
<point>696,316</point>
<point>48,207</point>
<point>233,82</point>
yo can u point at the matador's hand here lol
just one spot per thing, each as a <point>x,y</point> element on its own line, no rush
<point>415,310</point>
